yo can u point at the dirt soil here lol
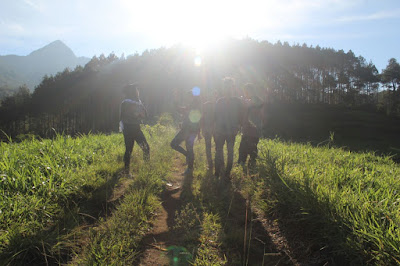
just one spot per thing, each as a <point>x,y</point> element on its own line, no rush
<point>161,237</point>
<point>269,245</point>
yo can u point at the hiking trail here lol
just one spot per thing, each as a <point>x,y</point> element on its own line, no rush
<point>157,241</point>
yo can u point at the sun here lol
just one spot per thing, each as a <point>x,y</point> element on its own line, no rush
<point>196,29</point>
<point>199,24</point>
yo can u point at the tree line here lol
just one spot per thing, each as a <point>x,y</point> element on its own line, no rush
<point>87,98</point>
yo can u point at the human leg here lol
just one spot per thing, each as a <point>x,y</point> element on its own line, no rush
<point>207,140</point>
<point>129,142</point>
<point>253,155</point>
<point>219,153</point>
<point>178,139</point>
<point>242,151</point>
<point>230,142</point>
<point>189,141</point>
<point>142,142</point>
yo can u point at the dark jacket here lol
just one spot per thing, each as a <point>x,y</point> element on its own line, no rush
<point>229,114</point>
<point>132,112</point>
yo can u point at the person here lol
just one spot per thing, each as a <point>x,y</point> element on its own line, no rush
<point>254,106</point>
<point>250,132</point>
<point>132,111</point>
<point>229,111</point>
<point>189,130</point>
<point>248,144</point>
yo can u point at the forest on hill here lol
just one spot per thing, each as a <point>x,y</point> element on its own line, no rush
<point>86,99</point>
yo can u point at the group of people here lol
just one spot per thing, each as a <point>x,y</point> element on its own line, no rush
<point>221,118</point>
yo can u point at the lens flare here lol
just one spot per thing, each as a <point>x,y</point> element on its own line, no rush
<point>197,61</point>
<point>194,116</point>
<point>196,91</point>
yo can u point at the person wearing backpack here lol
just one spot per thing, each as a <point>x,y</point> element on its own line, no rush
<point>132,111</point>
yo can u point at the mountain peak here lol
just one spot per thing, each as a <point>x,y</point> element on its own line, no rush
<point>56,43</point>
<point>54,48</point>
<point>30,69</point>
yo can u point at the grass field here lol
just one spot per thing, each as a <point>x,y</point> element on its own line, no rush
<point>57,206</point>
<point>49,188</point>
<point>347,202</point>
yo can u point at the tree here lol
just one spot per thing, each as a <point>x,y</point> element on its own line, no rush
<point>391,79</point>
<point>391,74</point>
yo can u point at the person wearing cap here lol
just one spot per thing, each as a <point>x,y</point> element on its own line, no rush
<point>229,115</point>
<point>189,130</point>
<point>132,111</point>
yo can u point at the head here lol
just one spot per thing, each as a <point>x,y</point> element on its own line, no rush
<point>228,86</point>
<point>131,91</point>
<point>249,90</point>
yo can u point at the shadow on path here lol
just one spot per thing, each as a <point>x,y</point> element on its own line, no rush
<point>162,246</point>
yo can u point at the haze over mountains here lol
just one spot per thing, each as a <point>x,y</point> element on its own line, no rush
<point>18,70</point>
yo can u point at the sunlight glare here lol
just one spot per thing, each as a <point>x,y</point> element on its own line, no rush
<point>197,61</point>
<point>201,25</point>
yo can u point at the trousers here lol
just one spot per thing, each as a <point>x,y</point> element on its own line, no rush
<point>133,133</point>
<point>189,137</point>
<point>220,140</point>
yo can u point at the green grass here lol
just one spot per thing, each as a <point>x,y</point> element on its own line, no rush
<point>346,201</point>
<point>54,201</point>
<point>40,180</point>
<point>116,240</point>
<point>49,188</point>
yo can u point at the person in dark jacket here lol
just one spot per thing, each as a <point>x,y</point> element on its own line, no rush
<point>229,114</point>
<point>132,111</point>
<point>189,130</point>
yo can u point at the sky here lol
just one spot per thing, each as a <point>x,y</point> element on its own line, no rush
<point>369,28</point>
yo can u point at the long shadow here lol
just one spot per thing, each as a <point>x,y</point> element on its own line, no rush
<point>245,241</point>
<point>173,240</point>
<point>310,234</point>
<point>79,210</point>
<point>313,237</point>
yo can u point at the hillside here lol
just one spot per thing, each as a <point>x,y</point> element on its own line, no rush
<point>66,201</point>
<point>18,70</point>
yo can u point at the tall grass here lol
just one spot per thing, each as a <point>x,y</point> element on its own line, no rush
<point>117,240</point>
<point>349,200</point>
<point>40,178</point>
<point>347,203</point>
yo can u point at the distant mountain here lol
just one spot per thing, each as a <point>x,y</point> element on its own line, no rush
<point>55,57</point>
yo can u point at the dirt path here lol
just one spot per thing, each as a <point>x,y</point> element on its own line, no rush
<point>266,244</point>
<point>161,237</point>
